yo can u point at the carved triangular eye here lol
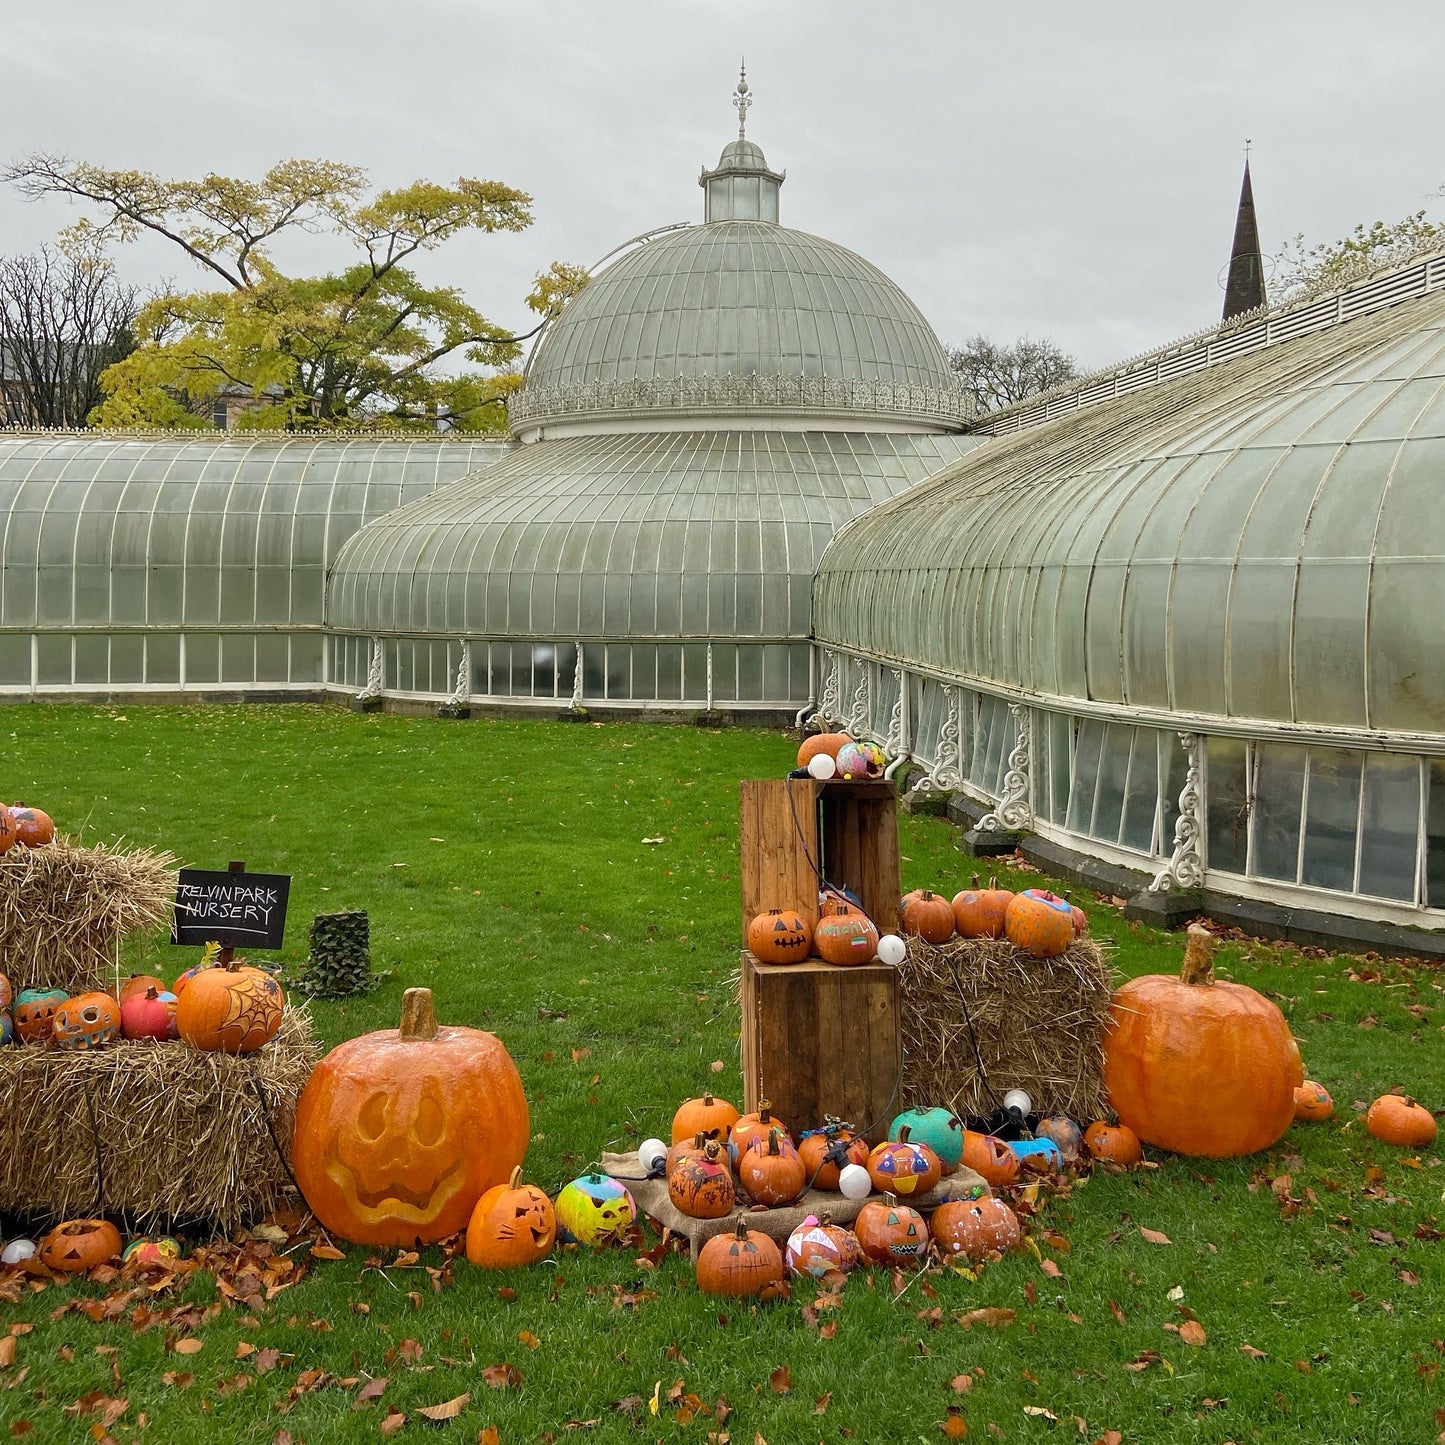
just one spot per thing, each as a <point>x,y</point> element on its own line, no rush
<point>749,1247</point>
<point>781,927</point>
<point>912,1230</point>
<point>893,1218</point>
<point>522,1211</point>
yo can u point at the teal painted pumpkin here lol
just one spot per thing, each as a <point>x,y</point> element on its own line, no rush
<point>939,1128</point>
<point>35,1010</point>
<point>595,1209</point>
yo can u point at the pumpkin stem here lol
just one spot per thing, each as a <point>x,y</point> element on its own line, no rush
<point>708,1101</point>
<point>418,1015</point>
<point>515,1180</point>
<point>151,992</point>
<point>1198,966</point>
<point>773,1142</point>
<point>741,1232</point>
<point>975,882</point>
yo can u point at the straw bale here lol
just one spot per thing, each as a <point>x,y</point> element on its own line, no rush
<point>1038,1022</point>
<point>64,910</point>
<point>182,1133</point>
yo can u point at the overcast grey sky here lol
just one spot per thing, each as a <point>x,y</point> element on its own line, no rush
<point>1062,169</point>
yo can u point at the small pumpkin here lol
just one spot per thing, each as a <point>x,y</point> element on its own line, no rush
<point>980,912</point>
<point>87,1021</point>
<point>1398,1119</point>
<point>80,1244</point>
<point>825,1151</point>
<point>33,828</point>
<point>974,1228</point>
<point>754,1126</point>
<point>926,915</point>
<point>595,1209</point>
<point>891,1233</point>
<point>1081,920</point>
<point>234,1009</point>
<point>151,1015</point>
<point>989,1156</point>
<point>834,901</point>
<point>700,1184</point>
<point>512,1225</point>
<point>1312,1101</point>
<point>902,1167</point>
<point>7,994</point>
<point>1039,922</point>
<point>7,830</point>
<point>941,1129</point>
<point>781,935</point>
<point>1113,1143</point>
<point>846,939</point>
<point>139,983</point>
<point>159,1252</point>
<point>7,1027</point>
<point>1066,1135</point>
<point>742,1263</point>
<point>858,762</point>
<point>709,1116</point>
<point>818,1249</point>
<point>35,1010</point>
<point>828,743</point>
<point>770,1170</point>
<point>684,1149</point>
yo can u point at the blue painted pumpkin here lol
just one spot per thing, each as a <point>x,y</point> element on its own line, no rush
<point>939,1128</point>
<point>595,1209</point>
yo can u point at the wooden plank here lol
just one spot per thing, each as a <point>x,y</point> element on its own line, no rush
<point>774,1049</point>
<point>884,1050</point>
<point>775,846</point>
<point>750,1032</point>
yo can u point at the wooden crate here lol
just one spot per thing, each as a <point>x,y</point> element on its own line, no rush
<point>818,1039</point>
<point>792,828</point>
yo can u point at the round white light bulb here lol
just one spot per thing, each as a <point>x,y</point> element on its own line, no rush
<point>652,1155</point>
<point>822,767</point>
<point>18,1250</point>
<point>1018,1099</point>
<point>892,949</point>
<point>853,1182</point>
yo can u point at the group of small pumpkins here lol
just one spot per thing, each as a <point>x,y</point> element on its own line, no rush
<point>231,1008</point>
<point>840,755</point>
<point>81,1244</point>
<point>25,827</point>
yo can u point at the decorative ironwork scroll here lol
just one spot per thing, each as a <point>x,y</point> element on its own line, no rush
<point>577,681</point>
<point>1185,869</point>
<point>946,774</point>
<point>1014,812</point>
<point>893,741</point>
<point>372,687</point>
<point>830,705</point>
<point>462,689</point>
<point>858,718</point>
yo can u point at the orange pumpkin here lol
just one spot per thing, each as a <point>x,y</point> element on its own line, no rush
<point>1113,1143</point>
<point>80,1244</point>
<point>700,1184</point>
<point>980,912</point>
<point>685,1149</point>
<point>755,1126</point>
<point>512,1225</point>
<point>138,983</point>
<point>781,935</point>
<point>846,939</point>
<point>825,1151</point>
<point>989,1156</point>
<point>1200,1067</point>
<point>1039,922</point>
<point>710,1116</point>
<point>234,1009</point>
<point>87,1021</point>
<point>1398,1119</point>
<point>899,1166</point>
<point>821,743</point>
<point>745,1262</point>
<point>33,829</point>
<point>926,915</point>
<point>399,1132</point>
<point>7,829</point>
<point>1312,1101</point>
<point>832,904</point>
<point>974,1228</point>
<point>770,1170</point>
<point>891,1233</point>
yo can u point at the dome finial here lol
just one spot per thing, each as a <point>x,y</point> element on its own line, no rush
<point>743,100</point>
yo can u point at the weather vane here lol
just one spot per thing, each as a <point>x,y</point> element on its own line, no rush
<point>743,101</point>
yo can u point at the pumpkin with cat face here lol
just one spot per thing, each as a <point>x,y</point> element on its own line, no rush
<point>745,1262</point>
<point>513,1225</point>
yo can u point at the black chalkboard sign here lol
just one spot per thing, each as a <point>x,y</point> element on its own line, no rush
<point>236,910</point>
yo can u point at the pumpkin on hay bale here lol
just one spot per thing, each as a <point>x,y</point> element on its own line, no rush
<point>1038,1024</point>
<point>180,1134</point>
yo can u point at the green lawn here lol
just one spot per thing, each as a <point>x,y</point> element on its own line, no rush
<point>503,866</point>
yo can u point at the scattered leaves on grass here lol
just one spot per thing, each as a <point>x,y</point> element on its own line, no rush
<point>1192,1333</point>
<point>1119,1316</point>
<point>1039,1410</point>
<point>327,1251</point>
<point>447,1410</point>
<point>371,1390</point>
<point>488,1435</point>
<point>961,1384</point>
<point>820,1405</point>
<point>529,1339</point>
<point>502,1377</point>
<point>955,1427</point>
<point>781,1380</point>
<point>992,1316</point>
<point>189,1346</point>
<point>1253,1353</point>
<point>1154,1236</point>
<point>393,1422</point>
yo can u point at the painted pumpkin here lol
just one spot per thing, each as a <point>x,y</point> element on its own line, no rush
<point>7,1027</point>
<point>512,1225</point>
<point>770,1170</point>
<point>151,1015</point>
<point>754,1126</point>
<point>846,939</point>
<point>700,1185</point>
<point>399,1132</point>
<point>234,1009</point>
<point>1039,922</point>
<point>900,1166</point>
<point>80,1244</point>
<point>189,974</point>
<point>859,761</point>
<point>980,912</point>
<point>989,1156</point>
<point>158,1253</point>
<point>595,1209</point>
<point>1198,1066</point>
<point>834,900</point>
<point>745,1262</point>
<point>891,1233</point>
<point>1398,1119</point>
<point>35,1013</point>
<point>1114,1143</point>
<point>926,915</point>
<point>1081,920</point>
<point>684,1149</point>
<point>781,935</point>
<point>1065,1134</point>
<point>828,743</point>
<point>939,1128</point>
<point>138,983</point>
<point>710,1116</point>
<point>1312,1101</point>
<point>33,829</point>
<point>825,1151</point>
<point>7,829</point>
<point>975,1229</point>
<point>7,994</point>
<point>817,1249</point>
<point>87,1021</point>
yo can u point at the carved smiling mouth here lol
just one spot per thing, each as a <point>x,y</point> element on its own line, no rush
<point>394,1198</point>
<point>907,1251</point>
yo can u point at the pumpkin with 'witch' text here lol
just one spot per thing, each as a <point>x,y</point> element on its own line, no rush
<point>744,1262</point>
<point>512,1225</point>
<point>233,1008</point>
<point>781,935</point>
<point>399,1132</point>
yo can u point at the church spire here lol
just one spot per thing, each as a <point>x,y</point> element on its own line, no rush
<point>1244,290</point>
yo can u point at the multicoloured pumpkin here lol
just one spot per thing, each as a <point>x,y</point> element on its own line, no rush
<point>700,1185</point>
<point>941,1129</point>
<point>818,1249</point>
<point>742,1263</point>
<point>709,1116</point>
<point>1113,1143</point>
<point>989,1156</point>
<point>926,915</point>
<point>900,1166</point>
<point>87,1021</point>
<point>781,935</point>
<point>80,1244</point>
<point>158,1253</point>
<point>399,1132</point>
<point>595,1209</point>
<point>1065,1134</point>
<point>512,1225</point>
<point>233,1008</point>
<point>770,1170</point>
<point>825,1151</point>
<point>975,1229</point>
<point>980,912</point>
<point>7,994</point>
<point>1312,1102</point>
<point>35,1013</point>
<point>846,938</point>
<point>891,1233</point>
<point>860,761</point>
<point>149,1015</point>
<point>1398,1119</point>
<point>1039,922</point>
<point>33,829</point>
<point>1197,1066</point>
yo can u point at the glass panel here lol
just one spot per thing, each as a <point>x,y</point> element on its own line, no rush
<point>1113,772</point>
<point>1331,819</point>
<point>238,658</point>
<point>14,660</point>
<point>163,658</point>
<point>306,658</point>
<point>1227,818</point>
<point>1435,837</point>
<point>272,658</point>
<point>92,659</point>
<point>1279,780</point>
<point>1087,749</point>
<point>1389,826</point>
<point>203,658</point>
<point>127,661</point>
<point>54,660</point>
<point>1141,800</point>
<point>1061,734</point>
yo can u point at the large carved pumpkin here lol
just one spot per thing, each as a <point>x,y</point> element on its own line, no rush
<point>781,935</point>
<point>745,1262</point>
<point>1039,922</point>
<point>80,1244</point>
<point>988,1155</point>
<point>1197,1066</point>
<point>980,912</point>
<point>926,915</point>
<point>234,1009</point>
<point>35,1010</point>
<point>512,1225</point>
<point>399,1132</point>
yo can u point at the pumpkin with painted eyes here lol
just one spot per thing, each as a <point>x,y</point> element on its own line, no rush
<point>513,1225</point>
<point>818,1249</point>
<point>891,1233</point>
<point>88,1021</point>
<point>80,1244</point>
<point>399,1132</point>
<point>700,1184</point>
<point>902,1167</point>
<point>35,1013</point>
<point>825,1151</point>
<point>781,935</point>
<point>595,1209</point>
<point>745,1262</point>
<point>709,1116</point>
<point>1113,1143</point>
<point>754,1126</point>
<point>974,1228</point>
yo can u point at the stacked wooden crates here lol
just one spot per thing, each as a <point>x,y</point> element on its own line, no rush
<point>820,1039</point>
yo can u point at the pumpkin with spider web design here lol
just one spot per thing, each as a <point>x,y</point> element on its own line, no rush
<point>234,1009</point>
<point>513,1224</point>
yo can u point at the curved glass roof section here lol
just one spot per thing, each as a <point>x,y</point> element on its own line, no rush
<point>112,531</point>
<point>666,535</point>
<point>1257,541</point>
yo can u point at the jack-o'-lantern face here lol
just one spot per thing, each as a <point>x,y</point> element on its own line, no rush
<point>512,1225</point>
<point>596,1210</point>
<point>745,1262</point>
<point>80,1244</point>
<point>88,1021</point>
<point>35,1013</point>
<point>891,1233</point>
<point>781,935</point>
<point>902,1167</point>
